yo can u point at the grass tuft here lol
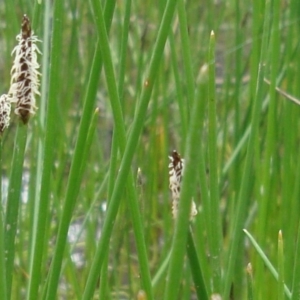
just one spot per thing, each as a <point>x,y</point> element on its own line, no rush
<point>86,207</point>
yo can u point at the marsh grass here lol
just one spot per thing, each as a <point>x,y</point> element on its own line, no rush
<point>85,187</point>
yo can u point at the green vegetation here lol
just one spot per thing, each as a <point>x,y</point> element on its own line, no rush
<point>86,205</point>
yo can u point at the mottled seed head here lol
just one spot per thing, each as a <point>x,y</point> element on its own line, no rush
<point>4,112</point>
<point>24,74</point>
<point>176,168</point>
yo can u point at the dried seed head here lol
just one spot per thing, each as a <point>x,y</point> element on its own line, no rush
<point>4,112</point>
<point>176,168</point>
<point>24,73</point>
<point>175,171</point>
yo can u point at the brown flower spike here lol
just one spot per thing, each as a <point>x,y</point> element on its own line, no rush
<point>176,168</point>
<point>25,76</point>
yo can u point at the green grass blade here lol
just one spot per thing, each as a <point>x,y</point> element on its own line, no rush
<point>243,199</point>
<point>161,271</point>
<point>75,175</point>
<point>296,271</point>
<point>267,262</point>
<point>130,149</point>
<point>280,267</point>
<point>202,95</point>
<point>123,50</point>
<point>187,59</point>
<point>265,199</point>
<point>103,179</point>
<point>121,135</point>
<point>187,192</point>
<point>114,147</point>
<point>183,109</point>
<point>196,268</point>
<point>3,292</point>
<point>34,261</point>
<point>215,217</point>
<point>13,202</point>
<point>49,141</point>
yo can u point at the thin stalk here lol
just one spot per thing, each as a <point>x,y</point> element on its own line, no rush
<point>75,176</point>
<point>130,148</point>
<point>243,141</point>
<point>13,202</point>
<point>3,291</point>
<point>281,295</point>
<point>215,217</point>
<point>187,59</point>
<point>290,173</point>
<point>187,192</point>
<point>296,271</point>
<point>179,92</point>
<point>104,278</point>
<point>270,138</point>
<point>123,50</point>
<point>49,141</point>
<point>203,178</point>
<point>111,181</point>
<point>265,199</point>
<point>196,268</point>
<point>89,139</point>
<point>114,147</point>
<point>121,136</point>
<point>238,72</point>
<point>39,157</point>
<point>243,197</point>
<point>267,262</point>
<point>161,271</point>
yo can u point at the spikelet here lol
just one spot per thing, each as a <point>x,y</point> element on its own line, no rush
<point>24,73</point>
<point>175,172</point>
<point>176,168</point>
<point>4,112</point>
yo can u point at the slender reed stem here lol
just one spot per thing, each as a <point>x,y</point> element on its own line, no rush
<point>243,197</point>
<point>13,203</point>
<point>3,292</point>
<point>215,217</point>
<point>187,192</point>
